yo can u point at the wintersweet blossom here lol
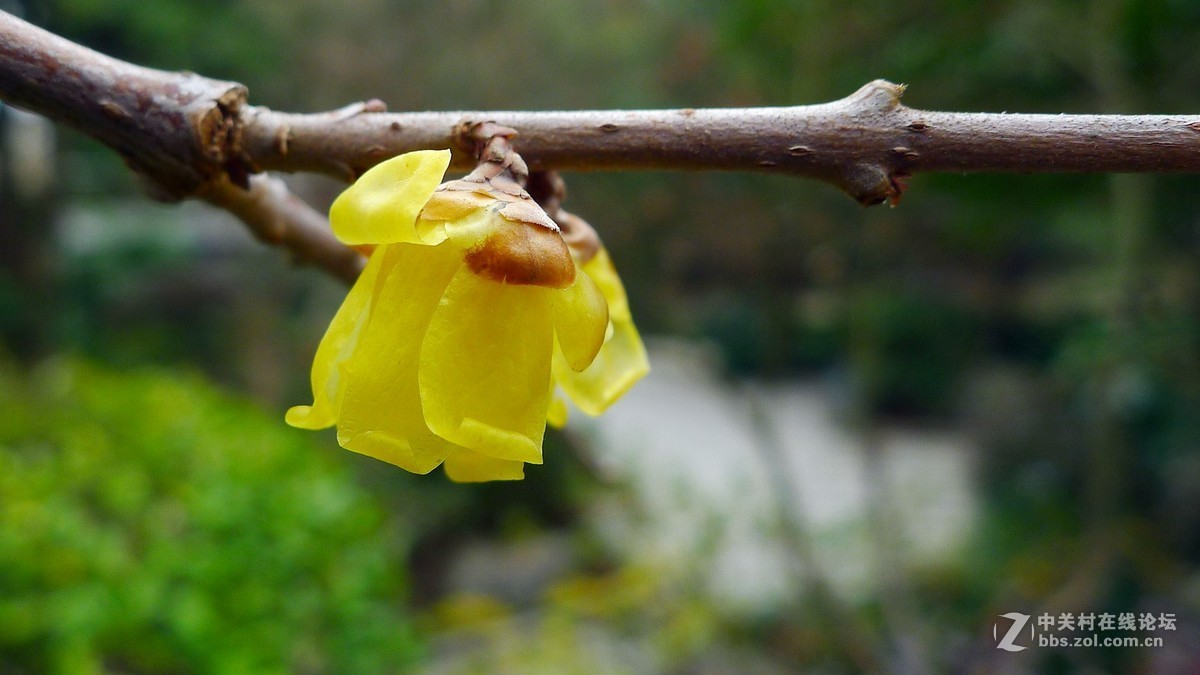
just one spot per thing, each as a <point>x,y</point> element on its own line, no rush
<point>470,306</point>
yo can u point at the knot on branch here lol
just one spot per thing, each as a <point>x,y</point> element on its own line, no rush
<point>219,130</point>
<point>873,184</point>
<point>874,180</point>
<point>198,125</point>
<point>876,96</point>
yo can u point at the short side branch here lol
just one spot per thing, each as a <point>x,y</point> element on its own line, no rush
<point>279,218</point>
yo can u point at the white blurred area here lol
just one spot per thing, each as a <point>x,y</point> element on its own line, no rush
<point>687,443</point>
<point>30,143</point>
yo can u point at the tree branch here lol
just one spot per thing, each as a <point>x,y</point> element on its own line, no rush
<point>867,143</point>
<point>191,136</point>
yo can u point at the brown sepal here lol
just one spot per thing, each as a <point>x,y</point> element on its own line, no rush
<point>524,254</point>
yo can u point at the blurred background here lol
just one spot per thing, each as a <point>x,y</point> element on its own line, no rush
<point>868,432</point>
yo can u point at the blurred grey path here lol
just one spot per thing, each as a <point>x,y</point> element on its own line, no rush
<point>684,440</point>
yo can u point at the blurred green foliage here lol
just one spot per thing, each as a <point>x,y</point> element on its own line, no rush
<point>219,38</point>
<point>149,523</point>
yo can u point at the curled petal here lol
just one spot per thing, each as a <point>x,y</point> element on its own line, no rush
<point>484,376</point>
<point>340,341</point>
<point>382,206</point>
<point>381,411</point>
<point>600,268</point>
<point>622,360</point>
<point>580,320</point>
<point>619,365</point>
<point>468,466</point>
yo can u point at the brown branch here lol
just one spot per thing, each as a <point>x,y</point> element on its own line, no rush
<point>867,143</point>
<point>191,136</point>
<point>171,128</point>
<point>177,131</point>
<point>279,218</point>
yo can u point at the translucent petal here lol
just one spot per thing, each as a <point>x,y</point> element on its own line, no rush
<point>619,365</point>
<point>622,360</point>
<point>468,466</point>
<point>381,207</point>
<point>472,228</point>
<point>600,268</point>
<point>580,320</point>
<point>485,367</point>
<point>557,415</point>
<point>381,411</point>
<point>341,339</point>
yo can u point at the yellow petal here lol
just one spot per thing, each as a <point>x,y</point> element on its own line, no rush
<point>472,228</point>
<point>468,466</point>
<point>600,268</point>
<point>557,415</point>
<point>580,320</point>
<point>381,207</point>
<point>381,411</point>
<point>622,360</point>
<point>619,365</point>
<point>485,367</point>
<point>341,339</point>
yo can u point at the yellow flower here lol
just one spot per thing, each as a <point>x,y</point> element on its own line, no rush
<point>442,350</point>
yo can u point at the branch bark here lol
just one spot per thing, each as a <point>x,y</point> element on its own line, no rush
<point>867,143</point>
<point>192,136</point>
